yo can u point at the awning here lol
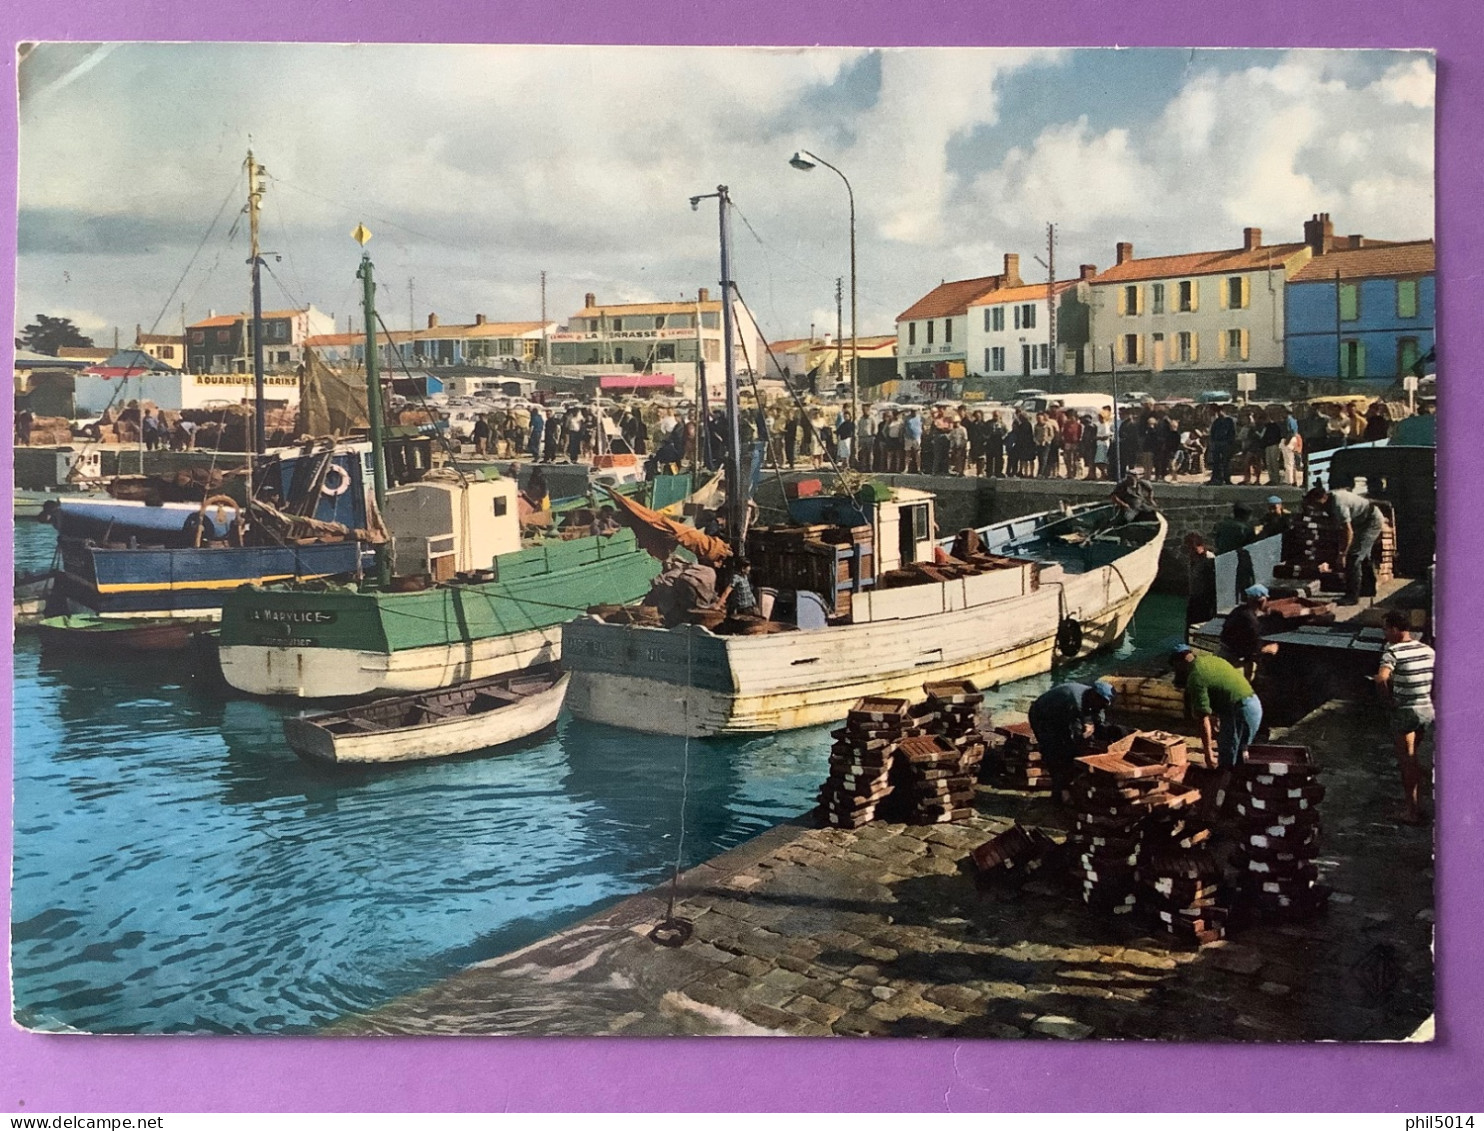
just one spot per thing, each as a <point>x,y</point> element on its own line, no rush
<point>625,381</point>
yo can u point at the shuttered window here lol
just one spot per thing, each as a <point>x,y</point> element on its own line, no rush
<point>1349,302</point>
<point>1406,298</point>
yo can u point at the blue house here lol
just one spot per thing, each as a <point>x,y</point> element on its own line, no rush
<point>1359,309</point>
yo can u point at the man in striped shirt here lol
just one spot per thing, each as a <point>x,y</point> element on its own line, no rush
<point>1405,680</point>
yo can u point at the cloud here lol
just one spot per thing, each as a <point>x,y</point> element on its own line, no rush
<point>478,167</point>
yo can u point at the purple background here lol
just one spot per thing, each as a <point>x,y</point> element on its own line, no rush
<point>142,1074</point>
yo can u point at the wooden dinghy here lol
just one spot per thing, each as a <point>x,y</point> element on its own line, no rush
<point>99,636</point>
<point>478,715</point>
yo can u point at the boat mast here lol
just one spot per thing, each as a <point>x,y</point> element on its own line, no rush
<point>373,395</point>
<point>736,489</point>
<point>254,206</point>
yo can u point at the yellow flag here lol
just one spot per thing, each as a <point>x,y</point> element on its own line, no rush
<point>361,234</point>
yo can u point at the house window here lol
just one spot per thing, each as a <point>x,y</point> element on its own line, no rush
<point>1131,349</point>
<point>618,354</point>
<point>1234,293</point>
<point>986,361</point>
<point>1027,317</point>
<point>1406,355</point>
<point>1349,302</point>
<point>997,359</point>
<point>1131,300</point>
<point>618,324</point>
<point>167,353</point>
<point>1187,295</point>
<point>667,351</point>
<point>948,329</point>
<point>998,322</point>
<point>1352,358</point>
<point>911,333</point>
<point>198,337</point>
<point>710,319</point>
<point>1406,299</point>
<point>223,335</point>
<point>987,309</point>
<point>930,331</point>
<point>1044,355</point>
<point>659,321</point>
<point>283,357</point>
<point>1183,344</point>
<point>1157,298</point>
<point>1234,343</point>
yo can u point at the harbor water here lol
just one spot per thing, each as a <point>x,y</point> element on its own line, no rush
<point>178,869</point>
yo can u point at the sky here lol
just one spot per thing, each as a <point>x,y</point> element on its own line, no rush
<point>478,167</point>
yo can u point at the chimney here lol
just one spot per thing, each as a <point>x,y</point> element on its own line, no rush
<point>479,320</point>
<point>1012,270</point>
<point>589,300</point>
<point>1087,270</point>
<point>703,295</point>
<point>1319,233</point>
<point>1251,239</point>
<point>432,321</point>
<point>1124,253</point>
<point>1355,241</point>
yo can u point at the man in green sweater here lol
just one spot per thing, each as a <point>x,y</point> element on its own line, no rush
<point>1222,699</point>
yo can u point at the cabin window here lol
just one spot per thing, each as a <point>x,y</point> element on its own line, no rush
<point>920,531</point>
<point>502,506</point>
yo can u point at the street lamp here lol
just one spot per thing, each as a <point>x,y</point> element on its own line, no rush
<point>806,161</point>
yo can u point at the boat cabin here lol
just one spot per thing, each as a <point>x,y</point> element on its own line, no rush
<point>445,527</point>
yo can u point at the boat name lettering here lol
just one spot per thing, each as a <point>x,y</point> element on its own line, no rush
<point>291,616</point>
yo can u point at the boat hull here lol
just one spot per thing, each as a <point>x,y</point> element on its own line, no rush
<point>329,643</point>
<point>78,635</point>
<point>442,739</point>
<point>690,681</point>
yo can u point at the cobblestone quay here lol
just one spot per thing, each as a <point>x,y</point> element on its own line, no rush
<point>882,931</point>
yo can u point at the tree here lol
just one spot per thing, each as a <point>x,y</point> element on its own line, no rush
<point>48,334</point>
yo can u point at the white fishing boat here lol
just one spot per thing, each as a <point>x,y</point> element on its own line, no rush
<point>481,715</point>
<point>1041,590</point>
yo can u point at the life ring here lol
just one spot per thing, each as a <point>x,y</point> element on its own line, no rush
<point>220,502</point>
<point>337,481</point>
<point>1069,637</point>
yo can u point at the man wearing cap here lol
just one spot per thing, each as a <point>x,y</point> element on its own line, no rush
<point>1277,520</point>
<point>1222,699</point>
<point>1063,719</point>
<point>1241,634</point>
<point>1360,527</point>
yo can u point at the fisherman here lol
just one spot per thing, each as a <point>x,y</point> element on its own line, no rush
<point>538,428</point>
<point>1134,496</point>
<point>1223,444</point>
<point>1222,700</point>
<point>481,435</point>
<point>1200,603</point>
<point>1241,634</point>
<point>1277,520</point>
<point>1063,720</point>
<point>1360,527</point>
<point>739,598</point>
<point>1235,532</point>
<point>1405,682</point>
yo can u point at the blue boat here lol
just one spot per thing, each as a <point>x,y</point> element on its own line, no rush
<point>308,517</point>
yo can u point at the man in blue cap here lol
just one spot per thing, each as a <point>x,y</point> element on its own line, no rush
<point>1221,698</point>
<point>1277,520</point>
<point>1241,633</point>
<point>1063,719</point>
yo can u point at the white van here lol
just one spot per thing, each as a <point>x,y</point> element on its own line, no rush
<point>1083,404</point>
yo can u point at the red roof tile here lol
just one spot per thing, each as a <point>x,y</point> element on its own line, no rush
<point>951,298</point>
<point>1380,261</point>
<point>1198,263</point>
<point>1027,293</point>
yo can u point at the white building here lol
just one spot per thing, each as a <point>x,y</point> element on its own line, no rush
<point>933,333</point>
<point>1201,312</point>
<point>1008,331</point>
<point>661,338</point>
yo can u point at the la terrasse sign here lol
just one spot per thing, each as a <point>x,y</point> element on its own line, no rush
<point>595,336</point>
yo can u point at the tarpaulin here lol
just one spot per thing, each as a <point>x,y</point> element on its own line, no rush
<point>658,536</point>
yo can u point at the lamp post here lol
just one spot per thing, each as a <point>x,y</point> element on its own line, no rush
<point>806,161</point>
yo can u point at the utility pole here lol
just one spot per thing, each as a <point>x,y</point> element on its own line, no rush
<point>839,332</point>
<point>1051,303</point>
<point>254,207</point>
<point>545,358</point>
